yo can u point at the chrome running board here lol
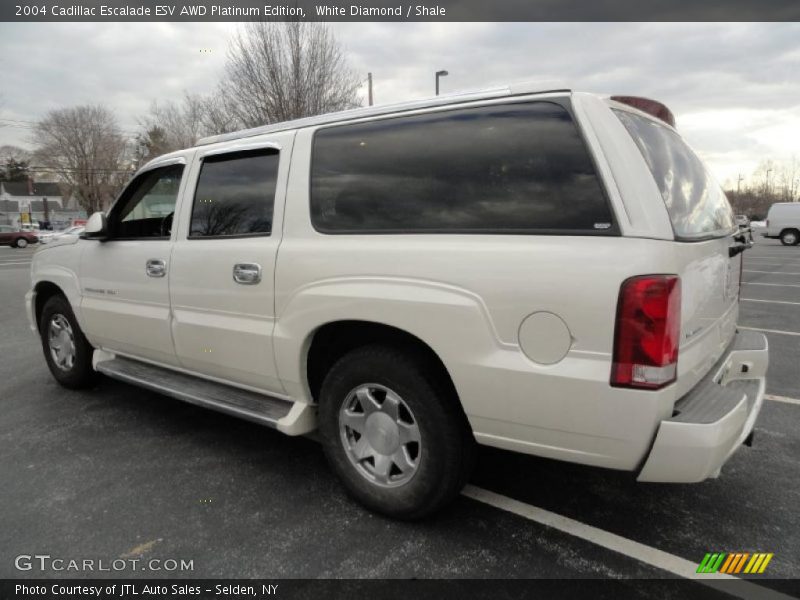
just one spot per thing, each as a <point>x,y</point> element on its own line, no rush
<point>252,406</point>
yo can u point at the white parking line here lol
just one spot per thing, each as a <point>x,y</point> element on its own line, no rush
<point>771,284</point>
<point>769,330</point>
<point>784,399</point>
<point>773,259</point>
<point>770,261</point>
<point>768,301</point>
<point>616,543</point>
<point>772,272</point>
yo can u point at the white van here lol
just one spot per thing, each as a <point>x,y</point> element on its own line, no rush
<point>553,273</point>
<point>783,222</point>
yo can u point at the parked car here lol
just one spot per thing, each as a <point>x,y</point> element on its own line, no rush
<point>75,230</point>
<point>783,223</point>
<point>12,236</point>
<point>553,273</point>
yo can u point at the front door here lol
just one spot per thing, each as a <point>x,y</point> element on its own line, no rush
<point>223,262</point>
<point>125,303</point>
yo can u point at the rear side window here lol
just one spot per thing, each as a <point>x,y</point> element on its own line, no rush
<point>235,195</point>
<point>697,206</point>
<point>517,168</point>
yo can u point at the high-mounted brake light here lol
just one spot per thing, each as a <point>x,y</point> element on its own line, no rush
<point>647,332</point>
<point>651,107</point>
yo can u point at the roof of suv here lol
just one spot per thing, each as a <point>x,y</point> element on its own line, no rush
<point>370,111</point>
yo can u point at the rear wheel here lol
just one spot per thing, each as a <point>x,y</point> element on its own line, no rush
<point>66,350</point>
<point>790,237</point>
<point>393,432</point>
<point>21,243</point>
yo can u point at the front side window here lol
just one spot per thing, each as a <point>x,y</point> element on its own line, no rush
<point>511,168</point>
<point>146,208</point>
<point>697,206</point>
<point>235,194</point>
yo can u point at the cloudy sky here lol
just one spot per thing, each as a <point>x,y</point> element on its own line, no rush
<point>734,88</point>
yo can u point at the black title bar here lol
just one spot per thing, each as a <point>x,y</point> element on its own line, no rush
<point>400,10</point>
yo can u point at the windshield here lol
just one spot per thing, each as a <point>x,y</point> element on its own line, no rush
<point>697,206</point>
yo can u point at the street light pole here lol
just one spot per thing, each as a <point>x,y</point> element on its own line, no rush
<point>768,172</point>
<point>369,87</point>
<point>440,74</point>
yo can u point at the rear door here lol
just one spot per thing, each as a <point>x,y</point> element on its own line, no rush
<point>223,263</point>
<point>705,230</point>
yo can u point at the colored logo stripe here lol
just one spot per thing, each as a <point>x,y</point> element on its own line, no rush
<point>711,563</point>
<point>733,563</point>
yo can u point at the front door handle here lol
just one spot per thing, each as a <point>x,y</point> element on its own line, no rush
<point>247,273</point>
<point>156,267</point>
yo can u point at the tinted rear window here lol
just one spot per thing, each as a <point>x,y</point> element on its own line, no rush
<point>697,206</point>
<point>511,168</point>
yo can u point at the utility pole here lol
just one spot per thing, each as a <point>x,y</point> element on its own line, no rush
<point>768,172</point>
<point>739,184</point>
<point>369,87</point>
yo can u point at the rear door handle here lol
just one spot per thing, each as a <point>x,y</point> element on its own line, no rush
<point>247,273</point>
<point>156,267</point>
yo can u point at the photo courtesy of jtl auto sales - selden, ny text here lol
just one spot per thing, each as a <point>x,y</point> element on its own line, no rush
<point>400,300</point>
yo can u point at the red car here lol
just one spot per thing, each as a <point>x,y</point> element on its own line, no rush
<point>11,236</point>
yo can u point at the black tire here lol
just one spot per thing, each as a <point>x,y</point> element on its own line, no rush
<point>446,449</point>
<point>80,374</point>
<point>790,237</point>
<point>20,243</point>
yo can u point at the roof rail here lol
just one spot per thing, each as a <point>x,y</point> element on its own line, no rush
<point>371,111</point>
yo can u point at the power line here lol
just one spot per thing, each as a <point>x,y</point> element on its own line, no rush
<point>76,169</point>
<point>25,124</point>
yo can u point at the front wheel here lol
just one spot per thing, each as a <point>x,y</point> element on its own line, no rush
<point>21,243</point>
<point>790,237</point>
<point>66,350</point>
<point>393,432</point>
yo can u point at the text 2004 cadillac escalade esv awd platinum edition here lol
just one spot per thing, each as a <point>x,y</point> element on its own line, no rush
<point>553,273</point>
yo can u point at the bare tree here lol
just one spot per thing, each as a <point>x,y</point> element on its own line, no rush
<point>10,152</point>
<point>174,125</point>
<point>278,71</point>
<point>217,118</point>
<point>788,178</point>
<point>85,147</point>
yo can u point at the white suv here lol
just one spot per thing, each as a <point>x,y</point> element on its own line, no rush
<point>552,273</point>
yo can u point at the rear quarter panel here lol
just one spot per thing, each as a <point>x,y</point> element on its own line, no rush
<point>466,296</point>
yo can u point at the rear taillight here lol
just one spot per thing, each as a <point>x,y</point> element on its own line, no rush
<point>647,332</point>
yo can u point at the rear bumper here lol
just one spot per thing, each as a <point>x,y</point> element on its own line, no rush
<point>714,419</point>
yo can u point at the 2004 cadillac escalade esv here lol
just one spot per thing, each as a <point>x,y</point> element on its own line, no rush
<point>553,273</point>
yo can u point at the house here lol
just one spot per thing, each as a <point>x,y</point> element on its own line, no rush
<point>23,202</point>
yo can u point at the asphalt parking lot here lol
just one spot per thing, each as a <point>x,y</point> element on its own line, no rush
<point>121,472</point>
